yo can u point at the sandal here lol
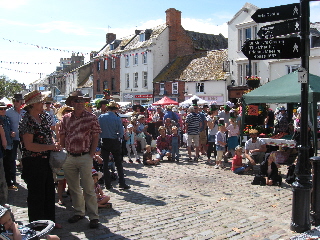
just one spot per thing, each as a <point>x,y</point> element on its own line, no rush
<point>107,205</point>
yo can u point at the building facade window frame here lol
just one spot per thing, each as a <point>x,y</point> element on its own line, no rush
<point>135,80</point>
<point>135,59</point>
<point>145,79</point>
<point>127,76</point>
<point>145,58</point>
<point>246,32</point>
<point>200,87</point>
<point>105,64</point>
<point>113,63</point>
<point>175,88</point>
<point>127,61</point>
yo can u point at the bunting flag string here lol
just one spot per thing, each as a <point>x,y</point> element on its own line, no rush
<point>40,63</point>
<point>49,48</point>
<point>19,71</point>
<point>25,63</point>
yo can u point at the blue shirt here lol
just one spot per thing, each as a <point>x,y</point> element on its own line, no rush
<point>111,126</point>
<point>172,116</point>
<point>15,118</point>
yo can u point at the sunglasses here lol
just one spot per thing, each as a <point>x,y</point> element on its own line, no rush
<point>79,100</point>
<point>68,111</point>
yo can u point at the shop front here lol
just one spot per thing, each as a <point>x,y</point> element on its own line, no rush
<point>141,98</point>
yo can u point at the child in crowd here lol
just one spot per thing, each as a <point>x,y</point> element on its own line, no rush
<point>237,166</point>
<point>130,137</point>
<point>163,144</point>
<point>147,157</point>
<point>175,143</point>
<point>220,145</point>
<point>11,230</point>
<point>233,136</point>
<point>103,201</point>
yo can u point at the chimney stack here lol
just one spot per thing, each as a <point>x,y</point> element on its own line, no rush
<point>110,37</point>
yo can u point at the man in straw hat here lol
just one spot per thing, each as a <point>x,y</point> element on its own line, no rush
<point>112,132</point>
<point>255,148</point>
<point>15,113</point>
<point>79,134</point>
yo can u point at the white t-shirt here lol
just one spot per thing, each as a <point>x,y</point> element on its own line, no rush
<point>250,145</point>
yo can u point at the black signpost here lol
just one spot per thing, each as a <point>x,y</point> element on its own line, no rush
<point>279,48</point>
<point>279,29</point>
<point>276,48</point>
<point>283,12</point>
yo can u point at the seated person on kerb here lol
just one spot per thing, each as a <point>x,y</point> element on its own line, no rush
<point>237,166</point>
<point>255,149</point>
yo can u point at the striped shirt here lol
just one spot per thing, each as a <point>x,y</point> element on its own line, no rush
<point>79,131</point>
<point>193,120</point>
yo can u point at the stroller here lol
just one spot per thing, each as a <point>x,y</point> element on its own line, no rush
<point>33,231</point>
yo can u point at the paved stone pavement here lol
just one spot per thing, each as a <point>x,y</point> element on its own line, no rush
<point>185,200</point>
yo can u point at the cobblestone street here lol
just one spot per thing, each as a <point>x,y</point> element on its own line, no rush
<point>185,200</point>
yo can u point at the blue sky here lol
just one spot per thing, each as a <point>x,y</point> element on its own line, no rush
<point>81,25</point>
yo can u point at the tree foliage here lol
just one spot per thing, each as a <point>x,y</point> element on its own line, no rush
<point>9,87</point>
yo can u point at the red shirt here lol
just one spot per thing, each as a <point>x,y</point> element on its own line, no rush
<point>79,131</point>
<point>236,161</point>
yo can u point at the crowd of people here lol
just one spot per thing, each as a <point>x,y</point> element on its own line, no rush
<point>97,140</point>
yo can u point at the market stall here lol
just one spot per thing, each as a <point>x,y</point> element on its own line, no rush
<point>188,102</point>
<point>286,89</point>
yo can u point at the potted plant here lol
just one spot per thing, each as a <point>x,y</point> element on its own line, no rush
<point>253,81</point>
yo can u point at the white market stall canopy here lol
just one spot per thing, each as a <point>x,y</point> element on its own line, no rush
<point>188,102</point>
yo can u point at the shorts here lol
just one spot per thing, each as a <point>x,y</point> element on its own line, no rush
<point>203,137</point>
<point>162,154</point>
<point>195,139</point>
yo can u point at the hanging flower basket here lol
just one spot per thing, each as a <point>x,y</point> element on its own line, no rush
<point>253,81</point>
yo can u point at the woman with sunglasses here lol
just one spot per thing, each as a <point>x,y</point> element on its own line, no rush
<point>37,143</point>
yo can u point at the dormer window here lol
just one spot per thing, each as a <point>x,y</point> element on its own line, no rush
<point>142,37</point>
<point>111,46</point>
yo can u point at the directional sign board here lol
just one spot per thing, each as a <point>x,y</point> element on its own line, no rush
<point>279,29</point>
<point>283,12</point>
<point>277,48</point>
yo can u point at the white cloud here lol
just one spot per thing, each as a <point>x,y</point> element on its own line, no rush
<point>205,26</point>
<point>11,4</point>
<point>66,27</point>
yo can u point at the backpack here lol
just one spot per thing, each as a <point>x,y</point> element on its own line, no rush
<point>290,175</point>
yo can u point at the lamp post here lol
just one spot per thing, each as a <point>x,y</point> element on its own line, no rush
<point>302,186</point>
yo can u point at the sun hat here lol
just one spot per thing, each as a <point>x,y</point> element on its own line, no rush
<point>130,126</point>
<point>113,105</point>
<point>17,96</point>
<point>48,99</point>
<point>75,95</point>
<point>282,108</point>
<point>95,172</point>
<point>253,131</point>
<point>140,116</point>
<point>62,110</point>
<point>35,97</point>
